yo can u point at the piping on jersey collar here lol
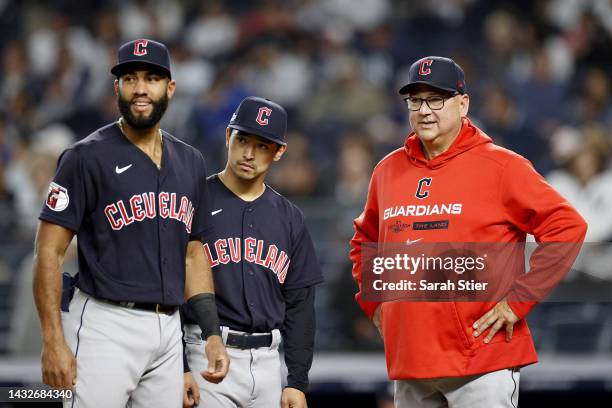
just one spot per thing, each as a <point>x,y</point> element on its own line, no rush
<point>266,188</point>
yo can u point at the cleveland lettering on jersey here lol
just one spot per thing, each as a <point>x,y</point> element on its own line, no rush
<point>231,250</point>
<point>146,205</point>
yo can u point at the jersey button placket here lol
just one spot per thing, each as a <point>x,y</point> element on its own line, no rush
<point>247,225</point>
<point>163,259</point>
<point>250,221</point>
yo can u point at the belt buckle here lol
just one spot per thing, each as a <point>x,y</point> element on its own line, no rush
<point>157,305</point>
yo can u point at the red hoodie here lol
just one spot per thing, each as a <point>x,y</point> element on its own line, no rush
<point>501,198</point>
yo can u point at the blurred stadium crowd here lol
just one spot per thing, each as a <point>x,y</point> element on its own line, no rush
<point>538,73</point>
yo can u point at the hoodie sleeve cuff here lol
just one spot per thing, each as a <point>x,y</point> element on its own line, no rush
<point>521,309</point>
<point>368,307</point>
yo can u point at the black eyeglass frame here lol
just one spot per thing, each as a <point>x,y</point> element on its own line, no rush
<point>427,101</point>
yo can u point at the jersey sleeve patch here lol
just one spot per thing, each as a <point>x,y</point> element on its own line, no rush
<point>57,197</point>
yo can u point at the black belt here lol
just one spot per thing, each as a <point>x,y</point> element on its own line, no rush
<point>248,341</point>
<point>151,307</point>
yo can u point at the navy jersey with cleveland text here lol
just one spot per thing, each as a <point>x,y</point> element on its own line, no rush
<point>257,250</point>
<point>132,220</point>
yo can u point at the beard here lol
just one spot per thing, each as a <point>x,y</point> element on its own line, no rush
<point>142,121</point>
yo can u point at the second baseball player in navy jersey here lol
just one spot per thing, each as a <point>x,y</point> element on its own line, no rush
<point>264,268</point>
<point>258,250</point>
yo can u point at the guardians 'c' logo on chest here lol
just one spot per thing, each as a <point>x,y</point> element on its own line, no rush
<point>421,192</point>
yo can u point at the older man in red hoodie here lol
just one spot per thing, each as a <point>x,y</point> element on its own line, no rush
<point>457,354</point>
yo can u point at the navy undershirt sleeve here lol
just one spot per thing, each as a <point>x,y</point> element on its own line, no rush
<point>298,335</point>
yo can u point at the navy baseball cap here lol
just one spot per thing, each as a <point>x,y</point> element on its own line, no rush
<point>261,117</point>
<point>439,72</point>
<point>145,52</point>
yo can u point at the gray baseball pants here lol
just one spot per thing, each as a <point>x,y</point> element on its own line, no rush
<point>254,377</point>
<point>497,389</point>
<point>125,357</point>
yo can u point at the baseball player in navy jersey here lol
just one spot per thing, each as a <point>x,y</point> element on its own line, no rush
<point>136,198</point>
<point>265,271</point>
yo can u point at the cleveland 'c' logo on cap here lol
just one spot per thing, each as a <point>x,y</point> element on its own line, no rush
<point>140,47</point>
<point>424,68</point>
<point>263,111</point>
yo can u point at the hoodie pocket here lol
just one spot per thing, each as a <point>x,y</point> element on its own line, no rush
<point>460,324</point>
<point>468,313</point>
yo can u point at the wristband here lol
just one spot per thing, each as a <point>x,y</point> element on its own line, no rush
<point>203,310</point>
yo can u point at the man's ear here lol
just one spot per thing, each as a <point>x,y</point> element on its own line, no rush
<point>171,88</point>
<point>116,86</point>
<point>228,134</point>
<point>464,105</point>
<point>279,153</point>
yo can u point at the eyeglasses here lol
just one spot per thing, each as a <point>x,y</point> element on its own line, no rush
<point>433,102</point>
